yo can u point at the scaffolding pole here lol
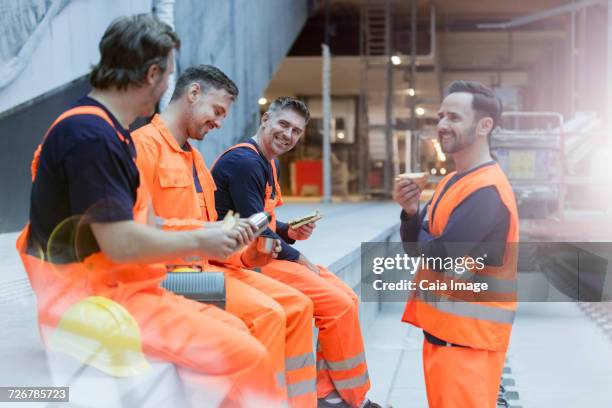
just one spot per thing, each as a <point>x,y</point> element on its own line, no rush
<point>389,146</point>
<point>609,118</point>
<point>413,80</point>
<point>327,115</point>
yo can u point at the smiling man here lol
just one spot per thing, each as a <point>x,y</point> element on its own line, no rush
<point>247,182</point>
<point>182,190</point>
<point>466,334</point>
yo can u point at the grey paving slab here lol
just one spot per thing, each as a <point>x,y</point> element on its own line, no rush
<point>21,353</point>
<point>560,358</point>
<point>393,349</point>
<point>10,265</point>
<point>23,359</point>
<point>406,398</point>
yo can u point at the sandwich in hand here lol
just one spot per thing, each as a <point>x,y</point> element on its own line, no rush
<point>419,178</point>
<point>298,222</point>
<point>230,220</point>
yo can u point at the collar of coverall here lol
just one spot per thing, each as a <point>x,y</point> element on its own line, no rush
<point>158,122</point>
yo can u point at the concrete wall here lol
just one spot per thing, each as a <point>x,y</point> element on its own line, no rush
<point>247,40</point>
<point>68,47</point>
<point>52,79</point>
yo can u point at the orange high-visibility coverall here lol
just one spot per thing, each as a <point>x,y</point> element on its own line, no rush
<point>277,315</point>
<point>468,376</point>
<point>341,361</point>
<point>220,363</point>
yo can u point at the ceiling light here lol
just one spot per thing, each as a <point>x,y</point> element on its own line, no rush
<point>396,60</point>
<point>262,101</point>
<point>434,171</point>
<point>340,135</point>
<point>410,92</point>
<point>442,171</point>
<point>419,111</point>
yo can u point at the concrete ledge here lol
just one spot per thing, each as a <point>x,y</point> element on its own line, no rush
<point>336,242</point>
<point>89,387</point>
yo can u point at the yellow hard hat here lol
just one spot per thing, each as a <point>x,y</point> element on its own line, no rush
<point>103,334</point>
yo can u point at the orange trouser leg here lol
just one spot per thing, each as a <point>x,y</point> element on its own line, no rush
<point>221,364</point>
<point>265,319</point>
<point>298,357</point>
<point>460,377</point>
<point>341,363</point>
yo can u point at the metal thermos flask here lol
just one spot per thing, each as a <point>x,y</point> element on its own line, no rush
<point>260,220</point>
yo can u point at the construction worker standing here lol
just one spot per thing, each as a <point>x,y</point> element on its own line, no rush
<point>85,184</point>
<point>182,189</point>
<point>246,176</point>
<point>466,334</point>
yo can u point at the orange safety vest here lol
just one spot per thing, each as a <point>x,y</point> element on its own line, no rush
<point>269,203</point>
<point>479,320</point>
<point>59,286</point>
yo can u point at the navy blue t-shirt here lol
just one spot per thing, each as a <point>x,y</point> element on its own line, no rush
<point>241,176</point>
<point>480,224</point>
<point>86,174</point>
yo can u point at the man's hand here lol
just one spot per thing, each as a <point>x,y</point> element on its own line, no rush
<point>254,257</point>
<point>220,243</point>
<point>407,194</point>
<point>246,231</point>
<point>301,233</point>
<point>302,260</point>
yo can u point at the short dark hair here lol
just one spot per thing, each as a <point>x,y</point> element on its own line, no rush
<point>129,47</point>
<point>287,102</point>
<point>208,77</point>
<point>485,103</point>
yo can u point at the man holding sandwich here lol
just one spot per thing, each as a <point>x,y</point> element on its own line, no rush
<point>472,212</point>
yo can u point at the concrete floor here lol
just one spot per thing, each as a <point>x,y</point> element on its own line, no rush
<point>559,358</point>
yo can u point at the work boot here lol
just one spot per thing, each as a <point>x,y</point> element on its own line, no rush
<point>370,404</point>
<point>322,403</point>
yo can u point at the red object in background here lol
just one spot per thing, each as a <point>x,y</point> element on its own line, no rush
<point>308,177</point>
<point>375,178</point>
